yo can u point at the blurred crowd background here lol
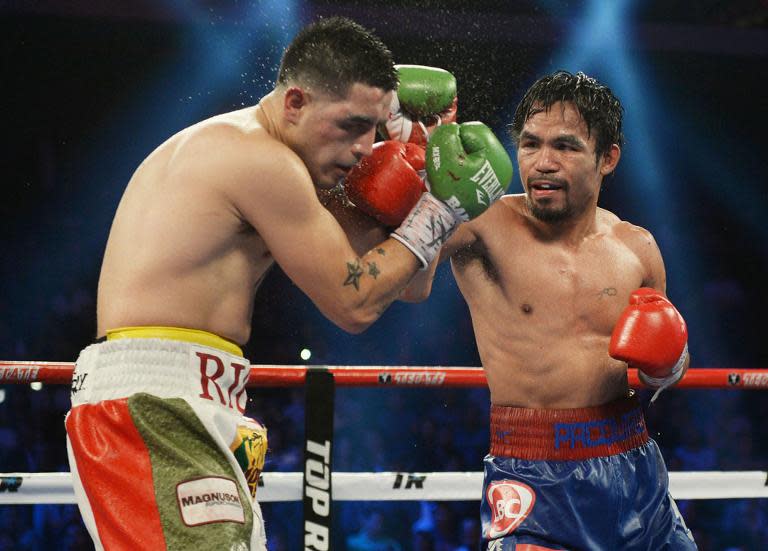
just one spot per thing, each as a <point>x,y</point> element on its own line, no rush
<point>89,89</point>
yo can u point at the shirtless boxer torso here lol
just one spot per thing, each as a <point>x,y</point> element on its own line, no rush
<point>548,277</point>
<point>161,454</point>
<point>200,223</point>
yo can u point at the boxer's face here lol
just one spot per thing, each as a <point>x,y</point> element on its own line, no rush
<point>333,133</point>
<point>557,163</point>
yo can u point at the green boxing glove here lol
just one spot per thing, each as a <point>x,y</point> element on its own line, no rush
<point>425,90</point>
<point>427,93</point>
<point>468,169</point>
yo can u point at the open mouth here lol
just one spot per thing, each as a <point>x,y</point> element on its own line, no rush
<point>546,185</point>
<point>545,189</point>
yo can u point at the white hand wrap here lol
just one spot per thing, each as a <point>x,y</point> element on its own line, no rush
<point>400,126</point>
<point>660,383</point>
<point>429,224</point>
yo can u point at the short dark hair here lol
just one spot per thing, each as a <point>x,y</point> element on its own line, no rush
<point>335,53</point>
<point>598,106</point>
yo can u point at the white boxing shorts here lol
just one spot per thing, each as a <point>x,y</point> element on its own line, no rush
<point>161,454</point>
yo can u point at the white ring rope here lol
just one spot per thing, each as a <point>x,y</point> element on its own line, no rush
<point>31,488</point>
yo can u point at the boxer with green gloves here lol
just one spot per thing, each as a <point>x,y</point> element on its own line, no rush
<point>425,98</point>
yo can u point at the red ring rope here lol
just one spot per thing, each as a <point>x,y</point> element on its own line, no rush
<point>294,375</point>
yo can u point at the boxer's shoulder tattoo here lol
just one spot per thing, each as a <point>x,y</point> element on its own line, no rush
<point>373,270</point>
<point>381,251</point>
<point>608,292</point>
<point>354,272</point>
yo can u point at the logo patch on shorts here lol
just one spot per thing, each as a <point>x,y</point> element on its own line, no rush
<point>250,449</point>
<point>511,502</point>
<point>208,500</point>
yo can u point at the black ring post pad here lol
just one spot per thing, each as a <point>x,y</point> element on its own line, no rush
<point>318,446</point>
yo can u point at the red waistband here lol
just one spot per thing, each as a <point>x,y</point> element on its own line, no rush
<point>567,434</point>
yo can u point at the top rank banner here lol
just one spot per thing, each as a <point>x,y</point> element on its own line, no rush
<point>318,448</point>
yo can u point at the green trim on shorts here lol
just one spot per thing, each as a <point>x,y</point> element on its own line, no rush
<point>180,450</point>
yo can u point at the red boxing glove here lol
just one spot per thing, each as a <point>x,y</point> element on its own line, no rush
<point>387,183</point>
<point>651,335</point>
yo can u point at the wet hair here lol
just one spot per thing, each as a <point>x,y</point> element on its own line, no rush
<point>335,53</point>
<point>600,109</point>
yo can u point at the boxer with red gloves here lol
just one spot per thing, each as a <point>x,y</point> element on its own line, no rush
<point>563,295</point>
<point>651,336</point>
<point>231,196</point>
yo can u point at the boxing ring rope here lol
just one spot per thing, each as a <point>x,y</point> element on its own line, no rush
<point>295,375</point>
<point>30,488</point>
<point>56,488</point>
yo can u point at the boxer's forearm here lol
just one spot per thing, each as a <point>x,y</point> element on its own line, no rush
<point>420,286</point>
<point>370,284</point>
<point>363,231</point>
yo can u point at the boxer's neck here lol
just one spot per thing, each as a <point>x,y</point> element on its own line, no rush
<point>268,114</point>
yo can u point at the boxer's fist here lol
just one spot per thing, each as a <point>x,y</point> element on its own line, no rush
<point>387,183</point>
<point>425,98</point>
<point>467,168</point>
<point>651,335</point>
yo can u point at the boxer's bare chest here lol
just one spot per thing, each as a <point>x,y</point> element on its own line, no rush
<point>555,286</point>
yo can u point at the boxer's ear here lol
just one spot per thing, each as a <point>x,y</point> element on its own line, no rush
<point>608,160</point>
<point>294,100</point>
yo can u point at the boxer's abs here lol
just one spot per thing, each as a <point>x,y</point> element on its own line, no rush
<point>543,318</point>
<point>546,350</point>
<point>565,372</point>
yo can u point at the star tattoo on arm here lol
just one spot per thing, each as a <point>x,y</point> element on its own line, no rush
<point>354,272</point>
<point>373,270</point>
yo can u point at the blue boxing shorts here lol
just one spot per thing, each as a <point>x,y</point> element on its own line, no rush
<point>577,479</point>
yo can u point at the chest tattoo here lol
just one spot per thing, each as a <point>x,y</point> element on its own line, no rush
<point>608,292</point>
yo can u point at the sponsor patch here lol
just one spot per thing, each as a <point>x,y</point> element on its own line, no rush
<point>208,500</point>
<point>250,449</point>
<point>511,502</point>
